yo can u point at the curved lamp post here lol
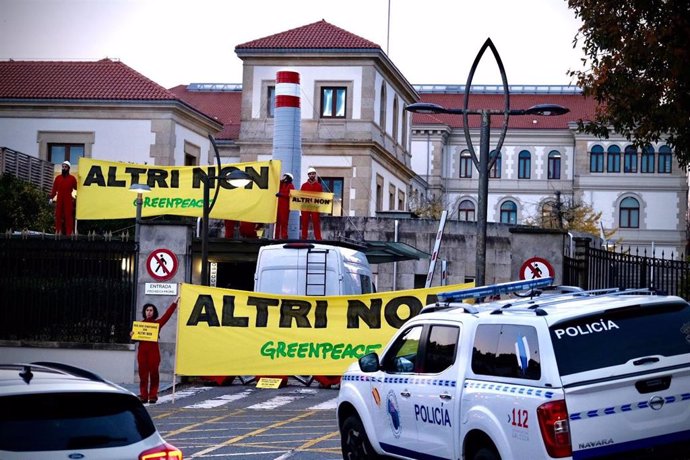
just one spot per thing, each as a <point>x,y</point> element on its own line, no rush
<point>139,189</point>
<point>235,178</point>
<point>485,161</point>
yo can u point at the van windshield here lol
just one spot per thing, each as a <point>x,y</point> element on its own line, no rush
<point>617,336</point>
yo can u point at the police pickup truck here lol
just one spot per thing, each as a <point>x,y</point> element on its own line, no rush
<point>559,373</point>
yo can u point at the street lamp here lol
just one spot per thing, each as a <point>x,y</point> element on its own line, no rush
<point>139,189</point>
<point>235,178</point>
<point>485,161</point>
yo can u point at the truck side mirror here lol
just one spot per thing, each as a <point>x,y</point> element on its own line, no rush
<point>369,363</point>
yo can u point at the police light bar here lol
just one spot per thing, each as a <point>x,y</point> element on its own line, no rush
<point>494,289</point>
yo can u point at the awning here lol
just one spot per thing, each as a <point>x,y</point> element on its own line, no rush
<point>381,252</point>
<point>247,250</point>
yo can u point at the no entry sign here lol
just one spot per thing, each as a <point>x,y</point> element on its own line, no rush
<point>161,264</point>
<point>536,267</point>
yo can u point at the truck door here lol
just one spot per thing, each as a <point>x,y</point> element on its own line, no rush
<point>394,420</point>
<point>436,392</point>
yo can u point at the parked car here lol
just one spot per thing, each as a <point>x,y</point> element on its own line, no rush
<point>568,374</point>
<point>53,411</point>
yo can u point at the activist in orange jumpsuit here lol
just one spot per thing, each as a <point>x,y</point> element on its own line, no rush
<point>63,185</point>
<point>281,231</point>
<point>149,355</point>
<point>247,229</point>
<point>311,185</point>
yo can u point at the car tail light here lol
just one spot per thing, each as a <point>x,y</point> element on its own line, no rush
<point>163,452</point>
<point>555,428</point>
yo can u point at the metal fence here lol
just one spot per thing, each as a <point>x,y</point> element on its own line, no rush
<point>593,268</point>
<point>66,289</point>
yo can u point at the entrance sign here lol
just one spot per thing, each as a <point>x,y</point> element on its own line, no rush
<point>162,264</point>
<point>536,267</point>
<point>160,288</point>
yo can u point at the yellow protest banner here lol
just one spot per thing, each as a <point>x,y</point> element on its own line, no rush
<point>232,332</point>
<point>145,331</point>
<point>311,201</point>
<point>103,190</point>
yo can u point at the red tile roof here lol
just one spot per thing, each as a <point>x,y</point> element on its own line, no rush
<point>104,80</point>
<point>223,106</point>
<point>319,35</point>
<point>580,108</point>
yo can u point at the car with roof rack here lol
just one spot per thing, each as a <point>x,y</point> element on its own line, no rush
<point>54,410</point>
<point>543,372</point>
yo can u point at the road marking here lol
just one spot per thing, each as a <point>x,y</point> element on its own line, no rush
<point>237,439</point>
<point>274,403</point>
<point>326,405</point>
<point>219,401</point>
<point>187,428</point>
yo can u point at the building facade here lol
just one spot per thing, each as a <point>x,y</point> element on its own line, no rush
<point>545,164</point>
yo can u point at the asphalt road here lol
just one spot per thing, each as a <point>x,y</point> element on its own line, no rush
<point>244,422</point>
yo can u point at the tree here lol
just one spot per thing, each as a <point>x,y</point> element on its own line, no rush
<point>638,52</point>
<point>567,215</point>
<point>24,206</point>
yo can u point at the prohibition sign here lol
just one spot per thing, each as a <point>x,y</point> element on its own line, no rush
<point>161,264</point>
<point>536,267</point>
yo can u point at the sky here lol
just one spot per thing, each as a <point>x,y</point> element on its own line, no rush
<point>175,42</point>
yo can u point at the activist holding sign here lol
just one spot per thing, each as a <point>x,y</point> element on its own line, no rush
<point>148,353</point>
<point>311,185</point>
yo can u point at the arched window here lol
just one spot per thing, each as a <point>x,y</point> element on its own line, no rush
<point>630,213</point>
<point>466,211</point>
<point>495,171</point>
<point>630,160</point>
<point>665,157</point>
<point>554,164</point>
<point>509,213</point>
<point>549,217</point>
<point>647,159</point>
<point>613,159</point>
<point>524,165</point>
<point>466,165</point>
<point>382,109</point>
<point>596,159</point>
<point>395,119</point>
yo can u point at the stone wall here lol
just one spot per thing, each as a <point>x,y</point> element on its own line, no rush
<point>508,247</point>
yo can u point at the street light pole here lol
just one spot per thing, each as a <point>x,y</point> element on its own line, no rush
<point>139,189</point>
<point>485,161</point>
<point>237,179</point>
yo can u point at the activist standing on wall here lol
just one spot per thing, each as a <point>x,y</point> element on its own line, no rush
<point>281,231</point>
<point>149,355</point>
<point>63,185</point>
<point>311,185</point>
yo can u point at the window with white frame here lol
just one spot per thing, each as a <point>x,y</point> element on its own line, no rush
<point>554,165</point>
<point>524,165</point>
<point>508,212</point>
<point>630,159</point>
<point>466,165</point>
<point>466,211</point>
<point>333,102</point>
<point>629,216</point>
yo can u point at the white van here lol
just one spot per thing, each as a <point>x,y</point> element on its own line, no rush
<point>312,269</point>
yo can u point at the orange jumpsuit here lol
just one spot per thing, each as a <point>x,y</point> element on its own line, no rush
<point>313,216</point>
<point>64,207</point>
<point>281,231</point>
<point>149,358</point>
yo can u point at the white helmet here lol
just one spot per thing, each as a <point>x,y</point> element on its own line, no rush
<point>311,170</point>
<point>288,175</point>
<point>69,165</point>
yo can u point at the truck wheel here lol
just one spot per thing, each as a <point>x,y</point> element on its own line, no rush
<point>486,453</point>
<point>354,442</point>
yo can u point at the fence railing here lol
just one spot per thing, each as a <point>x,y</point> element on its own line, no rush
<point>26,167</point>
<point>593,268</point>
<point>66,289</point>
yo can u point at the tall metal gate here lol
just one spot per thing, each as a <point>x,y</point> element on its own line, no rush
<point>592,268</point>
<point>66,289</point>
